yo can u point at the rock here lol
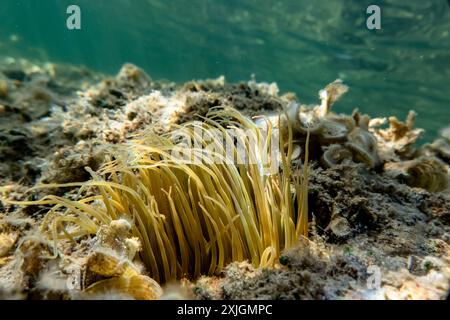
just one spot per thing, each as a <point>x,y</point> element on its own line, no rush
<point>4,90</point>
<point>16,74</point>
<point>340,227</point>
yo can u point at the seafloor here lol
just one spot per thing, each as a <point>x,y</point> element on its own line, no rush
<point>379,218</point>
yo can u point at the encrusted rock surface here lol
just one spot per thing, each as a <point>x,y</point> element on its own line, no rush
<point>379,205</point>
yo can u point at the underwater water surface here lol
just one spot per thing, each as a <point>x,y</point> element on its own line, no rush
<point>300,44</point>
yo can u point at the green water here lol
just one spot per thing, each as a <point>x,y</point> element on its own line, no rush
<point>300,44</point>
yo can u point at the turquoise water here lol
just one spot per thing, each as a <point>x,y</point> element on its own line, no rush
<point>300,44</point>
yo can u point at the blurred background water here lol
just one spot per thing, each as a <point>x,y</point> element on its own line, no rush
<point>300,44</point>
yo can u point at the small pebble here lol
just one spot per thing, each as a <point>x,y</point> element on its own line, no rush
<point>4,92</point>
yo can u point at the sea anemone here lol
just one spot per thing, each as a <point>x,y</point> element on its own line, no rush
<point>194,215</point>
